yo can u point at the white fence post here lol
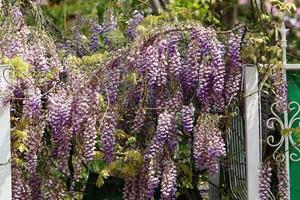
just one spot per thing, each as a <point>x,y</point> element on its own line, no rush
<point>252,131</point>
<point>283,32</point>
<point>5,165</point>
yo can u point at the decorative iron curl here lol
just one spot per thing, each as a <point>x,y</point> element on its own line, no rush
<point>295,156</point>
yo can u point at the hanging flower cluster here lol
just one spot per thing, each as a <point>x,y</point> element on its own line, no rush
<point>265,181</point>
<point>280,90</point>
<point>188,118</point>
<point>107,135</point>
<point>72,109</point>
<point>208,144</point>
<point>137,18</point>
<point>168,180</point>
<point>283,183</point>
<point>234,70</point>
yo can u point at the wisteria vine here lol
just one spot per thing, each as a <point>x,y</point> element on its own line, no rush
<point>164,89</point>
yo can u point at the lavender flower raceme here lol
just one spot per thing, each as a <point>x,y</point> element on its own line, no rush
<point>205,85</point>
<point>218,68</point>
<point>95,30</point>
<point>59,115</point>
<point>188,118</point>
<point>280,90</point>
<point>152,64</point>
<point>208,144</point>
<point>32,103</point>
<point>190,68</point>
<point>33,144</point>
<point>174,57</point>
<point>130,189</point>
<point>38,54</point>
<point>84,120</point>
<point>79,158</point>
<point>107,135</point>
<point>113,84</point>
<point>89,138</point>
<point>53,191</point>
<point>154,176</point>
<point>35,184</point>
<point>162,56</point>
<point>265,181</point>
<point>211,72</point>
<point>234,71</point>
<point>168,180</point>
<point>143,59</point>
<point>133,23</point>
<point>164,128</point>
<point>142,182</point>
<point>136,187</point>
<point>156,64</point>
<point>20,189</point>
<point>110,24</point>
<point>14,46</point>
<point>81,106</point>
<point>283,183</point>
<point>138,120</point>
<point>173,107</point>
<point>14,43</point>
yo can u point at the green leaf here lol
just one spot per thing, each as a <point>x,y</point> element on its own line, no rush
<point>132,78</point>
<point>131,140</point>
<point>104,174</point>
<point>98,155</point>
<point>21,68</point>
<point>22,148</point>
<point>21,135</point>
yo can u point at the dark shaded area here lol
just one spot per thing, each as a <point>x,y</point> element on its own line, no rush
<point>111,190</point>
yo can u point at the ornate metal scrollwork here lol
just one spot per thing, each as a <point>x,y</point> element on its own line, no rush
<point>295,108</point>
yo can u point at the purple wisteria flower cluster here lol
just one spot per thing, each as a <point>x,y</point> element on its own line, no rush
<point>33,103</point>
<point>283,183</point>
<point>168,180</point>
<point>130,191</point>
<point>188,118</point>
<point>208,145</point>
<point>132,24</point>
<point>201,70</point>
<point>95,31</point>
<point>107,135</point>
<point>265,175</point>
<point>161,135</point>
<point>265,180</point>
<point>20,188</point>
<point>234,70</point>
<point>280,90</point>
<point>171,79</point>
<point>138,121</point>
<point>59,115</point>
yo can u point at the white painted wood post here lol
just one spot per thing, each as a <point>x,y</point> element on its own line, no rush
<point>252,131</point>
<point>283,32</point>
<point>5,165</point>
